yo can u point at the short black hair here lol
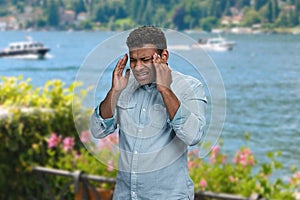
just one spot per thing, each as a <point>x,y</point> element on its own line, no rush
<point>147,35</point>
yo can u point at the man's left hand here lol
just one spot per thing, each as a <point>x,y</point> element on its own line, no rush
<point>163,73</point>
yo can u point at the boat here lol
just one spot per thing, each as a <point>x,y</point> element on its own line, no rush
<point>215,44</point>
<point>29,49</point>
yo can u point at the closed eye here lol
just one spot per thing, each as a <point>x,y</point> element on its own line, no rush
<point>146,59</point>
<point>132,60</point>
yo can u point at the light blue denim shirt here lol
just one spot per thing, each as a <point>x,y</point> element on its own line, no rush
<point>153,160</point>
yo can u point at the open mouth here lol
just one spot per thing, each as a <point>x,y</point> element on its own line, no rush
<point>142,75</point>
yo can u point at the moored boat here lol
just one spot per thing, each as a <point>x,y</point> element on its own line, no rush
<point>215,44</point>
<point>26,49</point>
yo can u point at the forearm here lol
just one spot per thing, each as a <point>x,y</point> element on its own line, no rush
<point>190,119</point>
<point>171,102</point>
<point>108,105</point>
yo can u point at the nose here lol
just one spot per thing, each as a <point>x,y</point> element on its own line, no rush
<point>138,65</point>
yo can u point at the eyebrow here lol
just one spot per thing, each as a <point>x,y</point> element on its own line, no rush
<point>142,58</point>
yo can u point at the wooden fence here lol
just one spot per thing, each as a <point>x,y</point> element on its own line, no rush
<point>86,191</point>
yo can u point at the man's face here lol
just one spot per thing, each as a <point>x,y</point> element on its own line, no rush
<point>141,64</point>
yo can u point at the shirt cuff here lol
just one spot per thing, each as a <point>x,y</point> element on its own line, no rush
<point>181,115</point>
<point>108,121</point>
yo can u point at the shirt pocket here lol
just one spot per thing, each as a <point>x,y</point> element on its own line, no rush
<point>126,105</point>
<point>158,116</point>
<point>125,112</point>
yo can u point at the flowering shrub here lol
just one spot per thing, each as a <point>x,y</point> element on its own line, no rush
<point>219,174</point>
<point>295,179</point>
<point>28,115</point>
<point>62,155</point>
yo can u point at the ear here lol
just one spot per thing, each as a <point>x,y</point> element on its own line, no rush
<point>165,56</point>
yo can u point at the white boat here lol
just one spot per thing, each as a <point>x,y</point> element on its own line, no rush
<point>215,44</point>
<point>26,49</point>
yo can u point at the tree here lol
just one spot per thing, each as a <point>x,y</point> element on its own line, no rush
<point>178,18</point>
<point>272,11</point>
<point>53,15</point>
<point>208,23</point>
<point>251,17</point>
<point>275,10</point>
<point>227,11</point>
<point>258,4</point>
<point>215,9</point>
<point>79,6</point>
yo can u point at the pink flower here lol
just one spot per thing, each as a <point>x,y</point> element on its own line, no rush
<point>232,179</point>
<point>214,153</point>
<point>68,143</point>
<point>76,155</point>
<point>191,163</point>
<point>215,150</point>
<point>108,142</point>
<point>85,136</point>
<point>203,183</point>
<point>194,153</point>
<point>110,166</point>
<point>54,140</point>
<point>295,179</point>
<point>244,157</point>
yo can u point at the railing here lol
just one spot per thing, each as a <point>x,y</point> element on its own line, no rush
<point>79,178</point>
<point>204,195</point>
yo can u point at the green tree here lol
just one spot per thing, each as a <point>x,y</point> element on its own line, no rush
<point>251,17</point>
<point>227,11</point>
<point>275,10</point>
<point>79,6</point>
<point>149,12</point>
<point>215,9</point>
<point>272,11</point>
<point>178,18</point>
<point>282,20</point>
<point>258,4</point>
<point>208,23</point>
<point>53,15</point>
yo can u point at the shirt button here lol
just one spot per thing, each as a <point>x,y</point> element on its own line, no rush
<point>135,152</point>
<point>133,193</point>
<point>144,109</point>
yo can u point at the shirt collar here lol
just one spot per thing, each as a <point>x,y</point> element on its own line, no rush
<point>149,86</point>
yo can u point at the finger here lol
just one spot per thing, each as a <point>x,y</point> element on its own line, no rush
<point>121,65</point>
<point>123,62</point>
<point>117,68</point>
<point>156,58</point>
<point>127,74</point>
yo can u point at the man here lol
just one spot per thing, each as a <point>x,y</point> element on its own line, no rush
<point>157,113</point>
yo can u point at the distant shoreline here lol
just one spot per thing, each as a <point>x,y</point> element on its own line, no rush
<point>234,30</point>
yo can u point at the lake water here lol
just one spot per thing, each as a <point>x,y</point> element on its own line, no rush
<point>261,78</point>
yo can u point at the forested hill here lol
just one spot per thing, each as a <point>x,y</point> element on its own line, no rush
<point>121,14</point>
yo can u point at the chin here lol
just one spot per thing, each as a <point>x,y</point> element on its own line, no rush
<point>144,82</point>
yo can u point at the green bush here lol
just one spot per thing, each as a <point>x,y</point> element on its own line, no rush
<point>38,115</point>
<point>34,113</point>
<point>241,175</point>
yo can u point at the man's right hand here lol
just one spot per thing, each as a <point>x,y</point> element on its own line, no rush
<point>119,82</point>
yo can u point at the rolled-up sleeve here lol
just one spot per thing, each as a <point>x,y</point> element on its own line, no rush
<point>189,121</point>
<point>101,127</point>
